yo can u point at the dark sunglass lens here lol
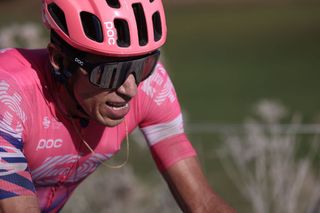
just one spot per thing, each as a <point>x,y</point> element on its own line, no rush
<point>96,75</point>
<point>121,76</point>
<point>102,76</point>
<point>136,68</point>
<point>113,75</point>
<point>148,66</point>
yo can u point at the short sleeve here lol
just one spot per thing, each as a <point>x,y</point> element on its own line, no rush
<point>162,121</point>
<point>15,178</point>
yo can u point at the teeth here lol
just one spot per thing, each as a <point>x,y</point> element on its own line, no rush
<point>119,108</point>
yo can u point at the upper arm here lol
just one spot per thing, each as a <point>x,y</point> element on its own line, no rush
<point>162,122</point>
<point>15,178</point>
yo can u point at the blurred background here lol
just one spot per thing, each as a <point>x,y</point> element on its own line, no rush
<point>246,73</point>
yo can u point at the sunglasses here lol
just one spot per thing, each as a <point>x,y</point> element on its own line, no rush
<point>112,74</point>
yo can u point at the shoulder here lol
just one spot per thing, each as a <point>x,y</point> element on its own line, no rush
<point>13,59</point>
<point>156,102</point>
<point>158,86</point>
<point>20,66</point>
<point>19,79</point>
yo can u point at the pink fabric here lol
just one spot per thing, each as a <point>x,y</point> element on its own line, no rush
<point>171,150</point>
<point>39,148</point>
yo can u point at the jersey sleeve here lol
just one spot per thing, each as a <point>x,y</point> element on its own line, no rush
<point>15,178</point>
<point>162,122</point>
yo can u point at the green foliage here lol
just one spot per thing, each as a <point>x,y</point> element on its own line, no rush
<point>223,60</point>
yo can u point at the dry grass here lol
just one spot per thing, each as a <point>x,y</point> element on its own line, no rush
<point>119,191</point>
<point>263,164</point>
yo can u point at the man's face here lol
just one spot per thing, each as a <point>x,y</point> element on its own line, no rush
<point>107,107</point>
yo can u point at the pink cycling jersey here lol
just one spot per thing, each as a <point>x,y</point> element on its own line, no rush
<point>42,152</point>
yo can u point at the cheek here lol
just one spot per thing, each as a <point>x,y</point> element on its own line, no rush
<point>88,94</point>
<point>82,87</point>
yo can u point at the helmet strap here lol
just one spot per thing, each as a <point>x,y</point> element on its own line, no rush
<point>61,75</point>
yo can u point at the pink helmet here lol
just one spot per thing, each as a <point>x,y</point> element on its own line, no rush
<point>108,27</point>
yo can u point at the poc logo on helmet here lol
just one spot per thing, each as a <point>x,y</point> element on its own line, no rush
<point>110,32</point>
<point>49,143</point>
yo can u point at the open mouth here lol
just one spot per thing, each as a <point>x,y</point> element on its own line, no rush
<point>117,106</point>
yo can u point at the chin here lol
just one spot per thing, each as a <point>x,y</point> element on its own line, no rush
<point>109,122</point>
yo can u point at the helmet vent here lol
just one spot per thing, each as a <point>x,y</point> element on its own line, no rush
<point>122,32</point>
<point>141,23</point>
<point>92,26</point>
<point>58,16</point>
<point>113,3</point>
<point>157,29</point>
<point>151,1</point>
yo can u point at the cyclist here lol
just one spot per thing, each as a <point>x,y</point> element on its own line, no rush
<point>66,109</point>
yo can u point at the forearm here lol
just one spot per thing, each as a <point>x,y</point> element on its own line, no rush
<point>191,189</point>
<point>211,203</point>
<point>21,204</point>
<point>200,202</point>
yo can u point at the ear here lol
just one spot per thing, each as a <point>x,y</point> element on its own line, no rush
<point>55,56</point>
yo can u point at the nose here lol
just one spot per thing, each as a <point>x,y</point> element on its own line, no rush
<point>129,88</point>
